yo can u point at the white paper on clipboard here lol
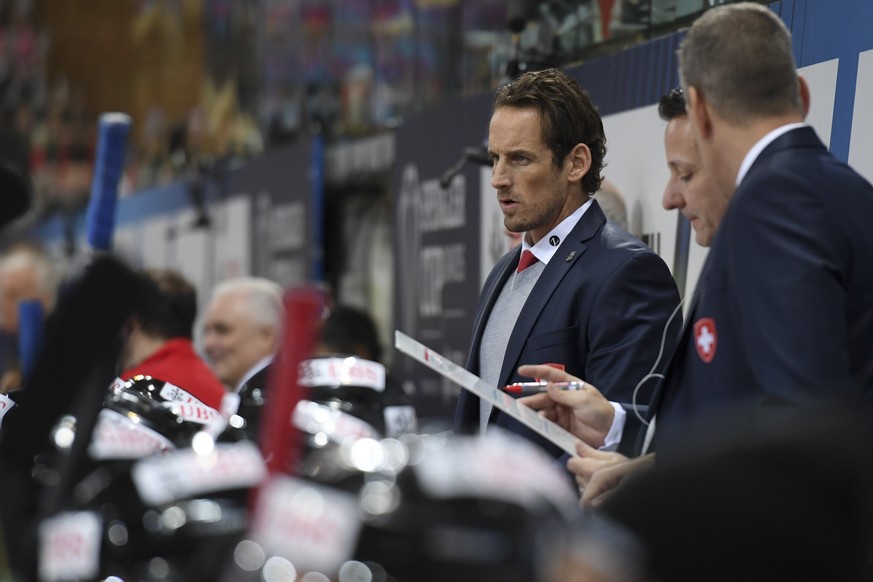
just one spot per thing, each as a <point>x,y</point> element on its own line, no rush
<point>498,398</point>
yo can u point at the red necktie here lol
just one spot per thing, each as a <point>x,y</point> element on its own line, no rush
<point>527,259</point>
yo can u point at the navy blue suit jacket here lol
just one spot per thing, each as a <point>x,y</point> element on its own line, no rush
<point>783,309</point>
<point>599,307</point>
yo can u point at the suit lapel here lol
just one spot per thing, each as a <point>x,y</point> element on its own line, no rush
<point>570,251</point>
<point>679,352</point>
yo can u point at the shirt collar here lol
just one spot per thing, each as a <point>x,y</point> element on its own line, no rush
<point>262,363</point>
<point>756,150</point>
<point>545,250</point>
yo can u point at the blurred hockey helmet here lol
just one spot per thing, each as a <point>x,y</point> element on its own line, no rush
<point>360,388</point>
<point>430,508</point>
<point>168,410</point>
<point>164,489</point>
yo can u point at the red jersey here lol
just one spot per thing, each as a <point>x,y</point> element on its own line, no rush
<point>177,363</point>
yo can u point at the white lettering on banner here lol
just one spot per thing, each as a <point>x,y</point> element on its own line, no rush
<point>118,437</point>
<point>367,155</point>
<point>287,226</point>
<point>185,473</point>
<point>280,229</point>
<point>69,547</point>
<point>443,208</point>
<point>439,265</point>
<point>343,372</point>
<point>187,406</point>
<point>312,526</point>
<point>194,412</point>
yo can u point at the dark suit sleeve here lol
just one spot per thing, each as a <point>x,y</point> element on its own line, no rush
<point>626,335</point>
<point>791,320</point>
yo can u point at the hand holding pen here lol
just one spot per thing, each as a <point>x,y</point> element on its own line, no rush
<point>582,410</point>
<point>538,387</point>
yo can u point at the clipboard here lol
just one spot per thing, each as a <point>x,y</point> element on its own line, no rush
<point>498,398</point>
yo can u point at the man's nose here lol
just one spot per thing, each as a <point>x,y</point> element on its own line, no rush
<point>499,176</point>
<point>672,198</point>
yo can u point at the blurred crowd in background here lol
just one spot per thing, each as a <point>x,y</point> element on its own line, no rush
<point>210,81</point>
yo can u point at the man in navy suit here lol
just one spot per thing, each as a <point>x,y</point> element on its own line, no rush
<point>782,317</point>
<point>595,300</point>
<point>783,314</point>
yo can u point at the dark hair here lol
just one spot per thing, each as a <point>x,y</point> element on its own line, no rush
<point>672,105</point>
<point>568,117</point>
<point>347,330</point>
<point>169,305</point>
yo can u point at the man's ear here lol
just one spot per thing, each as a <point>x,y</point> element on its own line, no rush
<point>699,112</point>
<point>804,95</point>
<point>271,337</point>
<point>580,162</point>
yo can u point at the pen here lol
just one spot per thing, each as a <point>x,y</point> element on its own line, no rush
<point>537,387</point>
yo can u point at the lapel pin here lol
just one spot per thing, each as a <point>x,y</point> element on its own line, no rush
<point>570,256</point>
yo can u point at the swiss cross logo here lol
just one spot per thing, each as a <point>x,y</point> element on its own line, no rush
<point>705,338</point>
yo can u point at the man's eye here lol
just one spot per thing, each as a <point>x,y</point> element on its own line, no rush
<point>686,177</point>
